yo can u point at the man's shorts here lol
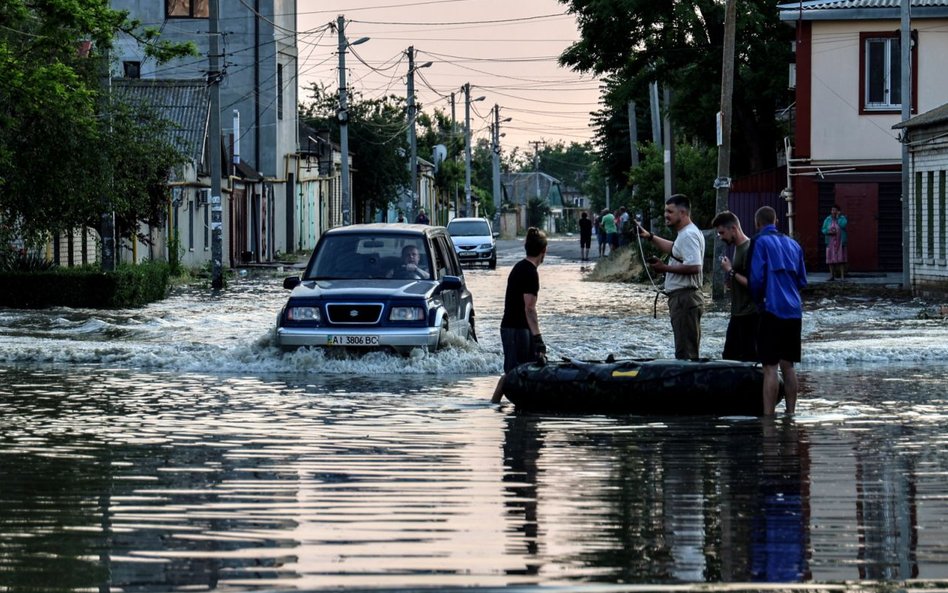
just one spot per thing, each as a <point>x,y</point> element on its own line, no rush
<point>778,339</point>
<point>518,347</point>
<point>584,242</point>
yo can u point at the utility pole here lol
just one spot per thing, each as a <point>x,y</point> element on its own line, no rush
<point>412,135</point>
<point>495,150</point>
<point>343,117</point>
<point>905,48</point>
<point>633,135</point>
<point>214,150</point>
<point>669,142</point>
<point>536,163</point>
<point>655,109</point>
<point>467,146</point>
<point>722,184</point>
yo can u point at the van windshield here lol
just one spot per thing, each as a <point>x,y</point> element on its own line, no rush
<point>469,228</point>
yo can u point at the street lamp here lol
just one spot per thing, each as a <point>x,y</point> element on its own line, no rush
<point>343,116</point>
<point>467,146</point>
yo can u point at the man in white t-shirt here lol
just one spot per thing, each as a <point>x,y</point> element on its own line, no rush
<point>683,275</point>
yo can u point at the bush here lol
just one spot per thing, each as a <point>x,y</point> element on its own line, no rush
<point>85,287</point>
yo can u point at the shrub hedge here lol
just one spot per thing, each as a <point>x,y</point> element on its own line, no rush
<point>86,287</point>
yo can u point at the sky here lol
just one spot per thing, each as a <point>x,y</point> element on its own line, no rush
<point>506,50</point>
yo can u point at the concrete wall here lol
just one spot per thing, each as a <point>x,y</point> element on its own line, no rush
<point>838,131</point>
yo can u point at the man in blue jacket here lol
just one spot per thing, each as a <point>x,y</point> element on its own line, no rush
<point>777,274</point>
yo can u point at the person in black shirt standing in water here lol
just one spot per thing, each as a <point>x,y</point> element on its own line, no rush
<point>520,328</point>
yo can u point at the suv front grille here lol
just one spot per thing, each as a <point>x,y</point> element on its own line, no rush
<point>354,313</point>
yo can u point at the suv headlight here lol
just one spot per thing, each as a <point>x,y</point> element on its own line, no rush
<point>485,246</point>
<point>303,314</point>
<point>406,314</point>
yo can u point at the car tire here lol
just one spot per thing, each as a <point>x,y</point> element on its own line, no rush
<point>471,334</point>
<point>442,336</point>
<point>492,264</point>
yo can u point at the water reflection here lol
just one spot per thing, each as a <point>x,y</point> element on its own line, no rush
<point>683,501</point>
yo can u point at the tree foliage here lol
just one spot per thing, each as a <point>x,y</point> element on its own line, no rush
<point>58,154</point>
<point>378,143</point>
<point>679,43</point>
<point>694,166</point>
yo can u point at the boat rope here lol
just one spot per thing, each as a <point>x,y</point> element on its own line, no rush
<point>658,291</point>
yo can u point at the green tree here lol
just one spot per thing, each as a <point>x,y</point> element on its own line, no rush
<point>679,43</point>
<point>377,141</point>
<point>694,166</point>
<point>55,136</point>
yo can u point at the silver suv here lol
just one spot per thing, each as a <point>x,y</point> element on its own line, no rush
<point>474,241</point>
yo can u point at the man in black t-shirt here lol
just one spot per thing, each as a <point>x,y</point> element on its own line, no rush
<point>585,236</point>
<point>519,327</point>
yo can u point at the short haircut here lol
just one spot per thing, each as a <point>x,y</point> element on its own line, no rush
<point>836,207</point>
<point>681,201</point>
<point>725,218</point>
<point>765,215</point>
<point>535,242</point>
<point>408,248</point>
<point>585,215</point>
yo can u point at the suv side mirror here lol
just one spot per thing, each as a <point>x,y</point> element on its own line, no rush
<point>495,234</point>
<point>291,282</point>
<point>451,283</point>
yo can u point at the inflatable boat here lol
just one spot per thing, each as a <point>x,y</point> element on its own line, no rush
<point>647,387</point>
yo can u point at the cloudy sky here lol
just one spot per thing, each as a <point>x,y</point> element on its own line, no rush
<point>506,49</point>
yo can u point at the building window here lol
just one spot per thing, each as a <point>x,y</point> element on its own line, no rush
<point>186,9</point>
<point>132,69</point>
<point>931,214</point>
<point>918,214</point>
<point>279,91</point>
<point>190,225</point>
<point>880,73</point>
<point>941,215</point>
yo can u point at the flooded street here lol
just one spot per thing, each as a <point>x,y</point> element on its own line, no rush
<point>174,448</point>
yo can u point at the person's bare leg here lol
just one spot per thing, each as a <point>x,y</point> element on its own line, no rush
<point>498,391</point>
<point>790,386</point>
<point>770,390</point>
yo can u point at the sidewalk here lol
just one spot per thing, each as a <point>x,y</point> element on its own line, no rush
<point>883,279</point>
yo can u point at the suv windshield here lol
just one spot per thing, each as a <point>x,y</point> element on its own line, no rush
<point>350,256</point>
<point>469,228</point>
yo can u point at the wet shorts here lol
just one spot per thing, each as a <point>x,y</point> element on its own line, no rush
<point>778,339</point>
<point>518,347</point>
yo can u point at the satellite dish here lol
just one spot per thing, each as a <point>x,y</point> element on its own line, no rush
<point>438,155</point>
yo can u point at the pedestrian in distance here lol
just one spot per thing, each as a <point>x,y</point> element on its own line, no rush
<point>422,218</point>
<point>740,342</point>
<point>520,327</point>
<point>585,236</point>
<point>684,277</point>
<point>609,225</point>
<point>623,226</point>
<point>834,229</point>
<point>777,274</point>
<point>600,233</point>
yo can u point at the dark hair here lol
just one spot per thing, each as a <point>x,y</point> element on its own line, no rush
<point>836,207</point>
<point>585,215</point>
<point>765,215</point>
<point>725,218</point>
<point>535,243</point>
<point>681,201</point>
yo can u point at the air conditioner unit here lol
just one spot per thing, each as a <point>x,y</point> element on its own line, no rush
<point>202,197</point>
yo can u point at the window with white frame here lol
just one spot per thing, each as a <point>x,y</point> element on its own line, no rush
<point>883,73</point>
<point>880,72</point>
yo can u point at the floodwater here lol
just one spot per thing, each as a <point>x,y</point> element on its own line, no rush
<point>173,448</point>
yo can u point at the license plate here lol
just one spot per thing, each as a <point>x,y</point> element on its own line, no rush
<point>344,340</point>
<point>468,254</point>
